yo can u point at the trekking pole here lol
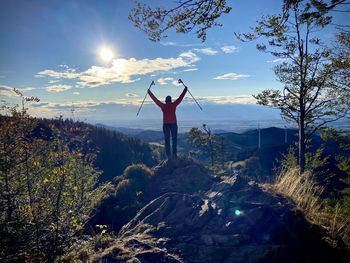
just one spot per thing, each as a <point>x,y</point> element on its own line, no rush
<point>180,81</point>
<point>152,83</point>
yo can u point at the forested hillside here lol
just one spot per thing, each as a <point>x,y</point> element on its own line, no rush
<point>114,150</point>
<point>50,171</point>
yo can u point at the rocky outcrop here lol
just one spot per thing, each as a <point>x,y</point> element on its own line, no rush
<point>139,185</point>
<point>234,221</point>
<point>180,176</point>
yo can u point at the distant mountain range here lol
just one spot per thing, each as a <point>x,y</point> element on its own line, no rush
<point>269,136</point>
<point>274,142</point>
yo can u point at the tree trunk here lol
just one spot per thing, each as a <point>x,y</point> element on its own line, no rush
<point>301,143</point>
<point>211,152</point>
<point>9,209</point>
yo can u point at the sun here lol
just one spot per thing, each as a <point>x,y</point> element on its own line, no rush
<point>106,54</point>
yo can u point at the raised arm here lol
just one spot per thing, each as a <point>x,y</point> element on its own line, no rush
<point>154,98</point>
<point>179,99</point>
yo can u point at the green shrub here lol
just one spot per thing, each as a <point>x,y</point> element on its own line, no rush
<point>128,197</point>
<point>102,241</point>
<point>139,173</point>
<point>47,186</point>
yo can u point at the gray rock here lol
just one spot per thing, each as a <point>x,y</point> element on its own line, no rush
<point>232,222</point>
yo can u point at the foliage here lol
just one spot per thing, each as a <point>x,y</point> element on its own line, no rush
<point>214,147</point>
<point>139,173</point>
<point>185,16</point>
<point>322,192</point>
<point>122,203</point>
<point>103,240</point>
<point>86,250</point>
<point>341,63</point>
<point>343,164</point>
<point>116,151</point>
<point>311,96</point>
<point>46,186</point>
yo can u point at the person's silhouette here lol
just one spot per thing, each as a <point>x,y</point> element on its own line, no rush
<point>169,120</point>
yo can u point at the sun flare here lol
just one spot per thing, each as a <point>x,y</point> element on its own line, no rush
<point>106,54</point>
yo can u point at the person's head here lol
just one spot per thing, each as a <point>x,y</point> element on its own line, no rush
<point>168,99</point>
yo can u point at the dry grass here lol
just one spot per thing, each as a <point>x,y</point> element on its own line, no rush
<point>302,190</point>
<point>305,193</point>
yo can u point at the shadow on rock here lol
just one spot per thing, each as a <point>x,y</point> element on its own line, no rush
<point>186,216</point>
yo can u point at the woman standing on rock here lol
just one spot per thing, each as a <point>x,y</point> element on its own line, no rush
<point>169,121</point>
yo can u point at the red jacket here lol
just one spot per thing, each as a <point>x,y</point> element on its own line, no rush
<point>169,108</point>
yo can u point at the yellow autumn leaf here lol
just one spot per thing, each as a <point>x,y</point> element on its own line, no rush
<point>45,181</point>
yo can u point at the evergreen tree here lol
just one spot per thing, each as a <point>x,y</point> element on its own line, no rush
<point>185,16</point>
<point>210,145</point>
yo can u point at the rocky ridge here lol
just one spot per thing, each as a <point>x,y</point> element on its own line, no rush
<point>233,221</point>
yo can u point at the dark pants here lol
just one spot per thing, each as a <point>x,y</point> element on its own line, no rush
<point>167,129</point>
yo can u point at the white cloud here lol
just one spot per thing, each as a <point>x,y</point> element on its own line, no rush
<point>58,88</point>
<point>67,73</point>
<point>65,67</point>
<point>164,81</point>
<point>76,93</point>
<point>57,74</point>
<point>131,95</point>
<point>52,81</point>
<point>174,44</point>
<point>28,89</point>
<point>190,69</point>
<point>176,83</point>
<point>189,56</point>
<point>123,70</point>
<point>229,49</point>
<point>231,76</point>
<point>206,51</point>
<point>277,60</point>
<point>242,99</point>
<point>24,90</point>
<point>167,43</point>
<point>7,91</point>
<point>52,109</point>
<point>90,105</point>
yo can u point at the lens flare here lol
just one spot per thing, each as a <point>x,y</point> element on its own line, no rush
<point>106,54</point>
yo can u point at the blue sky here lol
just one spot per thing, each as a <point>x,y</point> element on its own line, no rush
<point>51,49</point>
